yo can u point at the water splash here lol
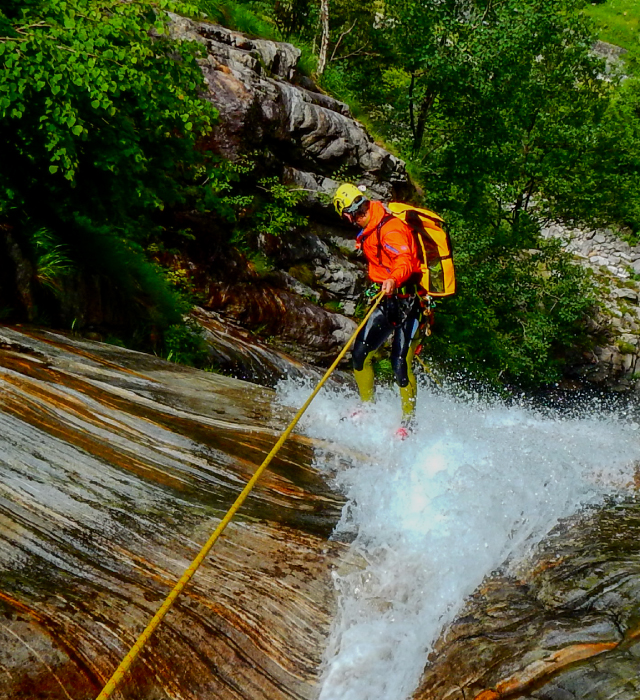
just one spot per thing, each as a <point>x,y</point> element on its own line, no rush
<point>477,484</point>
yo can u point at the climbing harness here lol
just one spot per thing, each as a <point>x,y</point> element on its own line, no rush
<point>189,572</point>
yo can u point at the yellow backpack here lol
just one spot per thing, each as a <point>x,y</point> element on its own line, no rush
<point>434,248</point>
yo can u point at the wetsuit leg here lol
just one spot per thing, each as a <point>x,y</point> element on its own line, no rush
<point>370,339</point>
<point>405,342</point>
<point>408,393</point>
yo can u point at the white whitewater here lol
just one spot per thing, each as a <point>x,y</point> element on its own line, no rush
<point>476,485</point>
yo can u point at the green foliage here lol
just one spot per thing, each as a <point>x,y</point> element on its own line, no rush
<point>519,312</point>
<point>618,23</point>
<point>52,261</point>
<point>76,66</point>
<point>626,348</point>
<point>610,170</point>
<point>100,112</point>
<point>278,214</point>
<point>241,17</point>
<point>303,273</point>
<point>334,305</point>
<point>184,344</point>
<point>383,370</point>
<point>134,278</point>
<point>260,263</point>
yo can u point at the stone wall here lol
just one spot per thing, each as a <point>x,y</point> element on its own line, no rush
<point>615,265</point>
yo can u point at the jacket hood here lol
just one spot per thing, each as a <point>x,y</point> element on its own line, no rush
<point>376,211</point>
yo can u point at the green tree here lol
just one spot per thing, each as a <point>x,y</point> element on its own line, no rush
<point>605,182</point>
<point>519,314</point>
<point>100,113</point>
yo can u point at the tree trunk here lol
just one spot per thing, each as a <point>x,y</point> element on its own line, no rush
<point>324,41</point>
<point>425,107</point>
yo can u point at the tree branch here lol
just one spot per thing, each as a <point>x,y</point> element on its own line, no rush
<point>342,36</point>
<point>358,52</point>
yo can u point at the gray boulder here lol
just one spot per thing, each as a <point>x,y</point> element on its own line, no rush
<point>251,83</point>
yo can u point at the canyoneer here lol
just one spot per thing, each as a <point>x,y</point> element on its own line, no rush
<point>390,249</point>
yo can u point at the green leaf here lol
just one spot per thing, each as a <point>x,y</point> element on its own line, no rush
<point>77,130</point>
<point>53,169</point>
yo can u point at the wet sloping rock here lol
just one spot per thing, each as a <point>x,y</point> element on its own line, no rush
<point>568,628</point>
<point>115,467</point>
<point>297,326</point>
<point>238,351</point>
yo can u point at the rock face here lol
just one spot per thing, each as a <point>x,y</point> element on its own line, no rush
<point>566,627</point>
<point>256,88</point>
<point>307,330</point>
<point>234,347</point>
<point>267,107</point>
<point>115,467</point>
<point>615,265</point>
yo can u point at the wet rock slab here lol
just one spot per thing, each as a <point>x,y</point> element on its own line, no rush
<point>115,467</point>
<point>566,627</point>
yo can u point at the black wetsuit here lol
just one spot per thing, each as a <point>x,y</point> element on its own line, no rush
<point>400,316</point>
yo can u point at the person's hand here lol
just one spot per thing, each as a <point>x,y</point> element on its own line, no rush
<point>388,286</point>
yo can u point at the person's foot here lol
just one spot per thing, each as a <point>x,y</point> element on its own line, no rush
<point>405,429</point>
<point>402,433</point>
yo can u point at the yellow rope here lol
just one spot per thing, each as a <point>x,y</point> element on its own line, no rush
<point>185,578</point>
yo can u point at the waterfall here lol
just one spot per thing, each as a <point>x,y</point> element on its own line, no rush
<point>474,489</point>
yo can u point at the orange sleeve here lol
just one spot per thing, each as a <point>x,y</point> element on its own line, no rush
<point>399,248</point>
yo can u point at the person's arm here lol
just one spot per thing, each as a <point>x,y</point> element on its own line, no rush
<point>397,246</point>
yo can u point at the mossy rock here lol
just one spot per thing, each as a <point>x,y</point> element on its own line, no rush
<point>304,274</point>
<point>626,348</point>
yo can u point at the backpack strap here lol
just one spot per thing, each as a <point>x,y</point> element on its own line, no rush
<point>383,221</point>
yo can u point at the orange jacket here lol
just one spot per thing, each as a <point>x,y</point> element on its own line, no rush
<point>398,255</point>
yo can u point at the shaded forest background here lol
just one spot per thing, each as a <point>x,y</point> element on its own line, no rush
<point>504,114</point>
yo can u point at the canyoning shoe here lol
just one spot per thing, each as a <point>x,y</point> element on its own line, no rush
<point>405,429</point>
<point>401,433</point>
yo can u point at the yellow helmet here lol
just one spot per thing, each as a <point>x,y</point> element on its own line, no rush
<point>347,199</point>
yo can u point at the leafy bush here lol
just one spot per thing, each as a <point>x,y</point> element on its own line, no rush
<point>519,314</point>
<point>184,344</point>
<point>278,213</point>
<point>100,112</point>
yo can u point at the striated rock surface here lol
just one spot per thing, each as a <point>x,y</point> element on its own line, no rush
<point>565,627</point>
<point>115,467</point>
<point>236,350</point>
<point>296,325</point>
